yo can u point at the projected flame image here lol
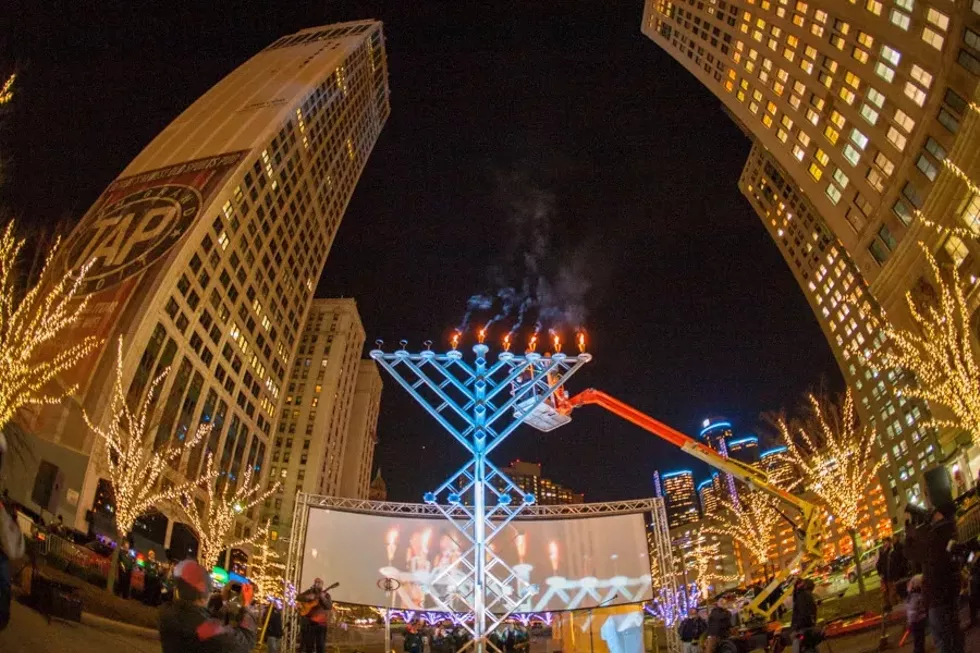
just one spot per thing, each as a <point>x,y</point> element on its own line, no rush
<point>558,564</point>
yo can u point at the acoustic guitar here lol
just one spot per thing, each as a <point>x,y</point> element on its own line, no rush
<point>306,607</point>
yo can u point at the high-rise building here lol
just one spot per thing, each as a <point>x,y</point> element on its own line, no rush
<point>527,476</point>
<point>206,251</point>
<point>717,431</point>
<point>832,284</point>
<point>311,434</point>
<point>866,117</point>
<point>680,498</point>
<point>362,432</point>
<point>379,489</point>
<point>744,449</point>
<point>708,495</point>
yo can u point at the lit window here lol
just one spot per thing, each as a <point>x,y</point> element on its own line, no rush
<point>904,121</point>
<point>899,19</point>
<point>798,152</point>
<point>860,55</point>
<point>859,138</point>
<point>804,138</point>
<point>822,157</point>
<point>938,19</point>
<point>799,87</point>
<point>786,122</point>
<point>874,7</point>
<point>767,120</point>
<point>852,155</point>
<point>885,164</point>
<point>837,119</point>
<point>890,54</point>
<point>833,193</point>
<point>841,178</point>
<point>806,66</point>
<point>771,108</point>
<point>896,138</point>
<point>907,5</point>
<point>847,95</point>
<point>869,114</point>
<point>831,134</point>
<point>754,107</point>
<point>956,249</point>
<point>921,76</point>
<point>915,93</point>
<point>794,101</point>
<point>927,167</point>
<point>876,96</point>
<point>883,71</point>
<point>875,179</point>
<point>812,116</point>
<point>932,37</point>
<point>782,135</point>
<point>853,80</point>
<point>971,214</point>
<point>815,171</point>
<point>811,52</point>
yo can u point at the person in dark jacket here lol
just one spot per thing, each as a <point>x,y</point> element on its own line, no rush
<point>898,566</point>
<point>314,623</point>
<point>804,617</point>
<point>413,639</point>
<point>691,629</point>
<point>186,626</point>
<point>929,545</point>
<point>719,625</point>
<point>883,567</point>
<point>273,630</point>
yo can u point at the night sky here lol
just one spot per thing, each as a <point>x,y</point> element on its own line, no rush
<point>549,132</point>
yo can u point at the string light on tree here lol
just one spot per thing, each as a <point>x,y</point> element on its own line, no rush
<point>135,465</point>
<point>266,572</point>
<point>836,457</point>
<point>707,557</point>
<point>750,520</point>
<point>7,90</point>
<point>32,326</point>
<point>213,520</point>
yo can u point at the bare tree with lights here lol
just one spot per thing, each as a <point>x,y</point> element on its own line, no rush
<point>135,465</point>
<point>938,352</point>
<point>32,324</point>
<point>706,556</point>
<point>749,520</point>
<point>214,517</point>
<point>835,456</point>
<point>266,571</point>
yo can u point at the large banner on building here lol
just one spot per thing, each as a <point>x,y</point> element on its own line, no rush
<point>126,237</point>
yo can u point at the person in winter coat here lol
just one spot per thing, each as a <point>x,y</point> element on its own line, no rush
<point>413,639</point>
<point>690,631</point>
<point>883,567</point>
<point>804,618</point>
<point>719,626</point>
<point>273,630</point>
<point>929,545</point>
<point>898,567</point>
<point>915,612</point>
<point>186,626</point>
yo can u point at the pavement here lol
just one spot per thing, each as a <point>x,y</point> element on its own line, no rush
<point>29,632</point>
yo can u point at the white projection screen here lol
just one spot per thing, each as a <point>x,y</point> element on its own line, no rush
<point>575,563</point>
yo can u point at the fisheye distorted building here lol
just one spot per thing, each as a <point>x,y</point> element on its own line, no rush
<point>863,120</point>
<point>207,249</point>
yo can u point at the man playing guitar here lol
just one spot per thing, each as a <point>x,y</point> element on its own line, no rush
<point>315,606</point>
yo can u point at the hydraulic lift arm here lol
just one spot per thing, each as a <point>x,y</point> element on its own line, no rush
<point>808,528</point>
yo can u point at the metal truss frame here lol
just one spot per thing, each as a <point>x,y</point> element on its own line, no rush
<point>667,591</point>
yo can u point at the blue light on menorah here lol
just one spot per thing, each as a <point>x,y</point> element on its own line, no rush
<point>480,404</point>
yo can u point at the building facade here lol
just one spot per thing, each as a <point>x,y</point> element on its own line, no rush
<point>867,114</point>
<point>362,432</point>
<point>527,476</point>
<point>680,497</point>
<point>717,431</point>
<point>379,489</point>
<point>744,449</point>
<point>207,249</point>
<point>311,434</point>
<point>708,495</point>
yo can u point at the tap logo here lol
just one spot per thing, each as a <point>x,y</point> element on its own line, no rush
<point>127,234</point>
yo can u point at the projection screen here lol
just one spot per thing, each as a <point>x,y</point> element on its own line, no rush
<point>570,563</point>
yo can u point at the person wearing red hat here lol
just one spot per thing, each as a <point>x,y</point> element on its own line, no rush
<point>186,626</point>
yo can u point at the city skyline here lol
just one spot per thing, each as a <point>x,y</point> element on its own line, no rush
<point>619,376</point>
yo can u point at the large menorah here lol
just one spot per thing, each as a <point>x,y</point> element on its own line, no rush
<point>480,405</point>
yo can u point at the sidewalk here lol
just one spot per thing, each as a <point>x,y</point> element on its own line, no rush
<point>30,632</point>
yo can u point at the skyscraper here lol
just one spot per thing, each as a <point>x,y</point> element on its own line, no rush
<point>717,431</point>
<point>207,249</point>
<point>744,449</point>
<point>865,116</point>
<point>527,476</point>
<point>311,434</point>
<point>362,432</point>
<point>680,498</point>
<point>708,495</point>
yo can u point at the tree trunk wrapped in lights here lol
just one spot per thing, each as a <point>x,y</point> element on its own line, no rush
<point>213,519</point>
<point>265,570</point>
<point>938,353</point>
<point>836,457</point>
<point>706,557</point>
<point>749,520</point>
<point>135,466</point>
<point>31,326</point>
